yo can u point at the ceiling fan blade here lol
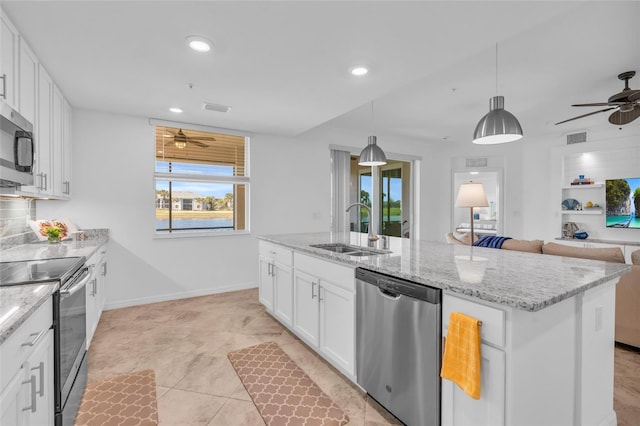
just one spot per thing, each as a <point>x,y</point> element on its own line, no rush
<point>600,104</point>
<point>621,117</point>
<point>635,96</point>
<point>200,144</point>
<point>201,138</point>
<point>586,115</point>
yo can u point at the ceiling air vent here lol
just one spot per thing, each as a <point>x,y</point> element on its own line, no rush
<point>215,107</point>
<point>576,138</point>
<point>477,162</point>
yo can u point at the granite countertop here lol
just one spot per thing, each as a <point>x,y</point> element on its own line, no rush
<point>18,302</point>
<point>525,281</point>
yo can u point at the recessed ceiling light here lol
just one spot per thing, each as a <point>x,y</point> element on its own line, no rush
<point>175,109</point>
<point>199,44</point>
<point>359,71</point>
<point>474,173</point>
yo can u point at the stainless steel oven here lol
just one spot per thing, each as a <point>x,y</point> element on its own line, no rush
<point>70,333</point>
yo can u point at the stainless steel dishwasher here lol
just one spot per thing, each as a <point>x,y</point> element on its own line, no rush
<point>398,348</point>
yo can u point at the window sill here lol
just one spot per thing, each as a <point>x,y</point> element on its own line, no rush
<point>198,234</point>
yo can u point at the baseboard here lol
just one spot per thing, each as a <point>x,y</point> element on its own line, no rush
<point>177,296</point>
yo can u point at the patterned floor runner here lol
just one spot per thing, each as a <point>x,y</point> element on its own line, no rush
<point>128,399</point>
<point>282,392</point>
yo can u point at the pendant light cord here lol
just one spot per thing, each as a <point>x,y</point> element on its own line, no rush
<point>496,69</point>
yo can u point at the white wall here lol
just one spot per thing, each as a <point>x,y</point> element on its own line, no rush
<point>290,192</point>
<point>113,188</point>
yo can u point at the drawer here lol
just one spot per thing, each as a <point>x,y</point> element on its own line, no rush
<point>275,252</point>
<point>17,348</point>
<point>339,275</point>
<point>493,319</point>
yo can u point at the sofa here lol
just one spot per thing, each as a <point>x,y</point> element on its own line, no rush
<point>627,290</point>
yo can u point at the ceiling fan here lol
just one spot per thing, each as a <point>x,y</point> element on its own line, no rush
<point>181,140</point>
<point>626,104</point>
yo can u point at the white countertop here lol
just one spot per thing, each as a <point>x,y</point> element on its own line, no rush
<point>525,281</point>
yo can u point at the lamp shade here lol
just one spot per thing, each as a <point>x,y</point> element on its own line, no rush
<point>471,194</point>
<point>498,125</point>
<point>372,154</point>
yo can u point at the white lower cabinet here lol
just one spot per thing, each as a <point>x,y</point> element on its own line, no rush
<point>306,314</point>
<point>95,291</point>
<point>275,281</point>
<point>459,409</point>
<point>324,309</point>
<point>26,395</point>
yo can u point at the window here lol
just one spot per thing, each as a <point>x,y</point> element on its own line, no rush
<point>391,199</point>
<point>201,181</point>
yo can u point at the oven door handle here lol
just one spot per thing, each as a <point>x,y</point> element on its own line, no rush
<point>77,286</point>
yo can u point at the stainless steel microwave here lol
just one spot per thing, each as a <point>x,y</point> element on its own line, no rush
<point>16,148</point>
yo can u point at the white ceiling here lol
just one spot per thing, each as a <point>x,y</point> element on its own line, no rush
<point>283,66</point>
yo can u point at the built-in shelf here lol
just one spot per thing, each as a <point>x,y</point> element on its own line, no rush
<point>584,211</point>
<point>593,185</point>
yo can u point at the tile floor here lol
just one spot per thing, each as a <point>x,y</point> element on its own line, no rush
<point>186,343</point>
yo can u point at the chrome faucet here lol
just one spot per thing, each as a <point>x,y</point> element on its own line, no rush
<point>372,237</point>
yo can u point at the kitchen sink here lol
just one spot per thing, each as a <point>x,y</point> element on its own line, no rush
<point>349,249</point>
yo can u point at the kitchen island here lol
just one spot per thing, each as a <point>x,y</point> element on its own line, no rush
<point>548,321</point>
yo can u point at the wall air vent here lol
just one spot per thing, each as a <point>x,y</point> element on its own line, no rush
<point>215,107</point>
<point>576,138</point>
<point>477,162</point>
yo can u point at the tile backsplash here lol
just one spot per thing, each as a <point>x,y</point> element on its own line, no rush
<point>14,214</point>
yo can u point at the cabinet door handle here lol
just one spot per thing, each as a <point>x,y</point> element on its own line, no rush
<point>313,287</point>
<point>93,287</point>
<point>320,298</point>
<point>35,339</point>
<point>32,382</point>
<point>104,269</point>
<point>4,86</point>
<point>46,181</point>
<point>41,368</point>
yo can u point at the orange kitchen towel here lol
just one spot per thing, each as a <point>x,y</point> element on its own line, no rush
<point>461,360</point>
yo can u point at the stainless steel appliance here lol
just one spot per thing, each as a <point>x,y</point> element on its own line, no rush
<point>16,148</point>
<point>398,349</point>
<point>69,324</point>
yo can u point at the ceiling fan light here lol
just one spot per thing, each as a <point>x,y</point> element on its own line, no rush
<point>181,145</point>
<point>372,154</point>
<point>498,125</point>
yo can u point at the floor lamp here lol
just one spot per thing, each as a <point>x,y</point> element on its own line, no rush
<point>471,195</point>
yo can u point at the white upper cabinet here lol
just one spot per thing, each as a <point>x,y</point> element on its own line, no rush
<point>9,45</point>
<point>28,84</point>
<point>27,87</point>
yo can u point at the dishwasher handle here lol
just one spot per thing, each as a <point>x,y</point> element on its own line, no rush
<point>398,286</point>
<point>389,295</point>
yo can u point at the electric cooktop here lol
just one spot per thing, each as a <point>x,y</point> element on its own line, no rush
<point>38,271</point>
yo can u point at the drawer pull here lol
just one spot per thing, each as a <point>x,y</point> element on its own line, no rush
<point>35,339</point>
<point>41,368</point>
<point>32,382</point>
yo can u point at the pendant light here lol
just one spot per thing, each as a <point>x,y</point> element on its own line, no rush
<point>372,154</point>
<point>498,125</point>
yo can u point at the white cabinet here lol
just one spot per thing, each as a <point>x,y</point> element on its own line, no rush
<point>9,45</point>
<point>43,173</point>
<point>26,391</point>
<point>96,291</point>
<point>66,148</point>
<point>324,309</point>
<point>538,368</point>
<point>459,409</point>
<point>306,313</point>
<point>28,72</point>
<point>57,141</point>
<point>276,282</point>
